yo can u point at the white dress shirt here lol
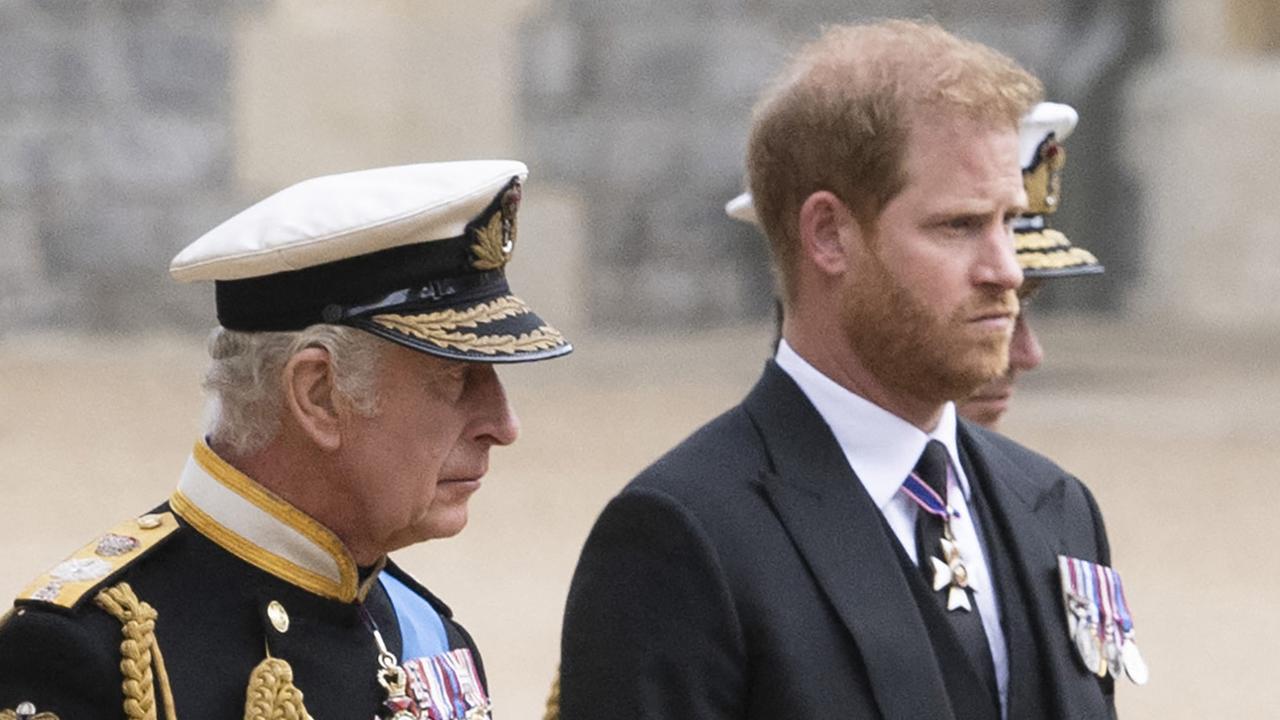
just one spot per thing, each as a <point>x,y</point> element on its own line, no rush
<point>882,449</point>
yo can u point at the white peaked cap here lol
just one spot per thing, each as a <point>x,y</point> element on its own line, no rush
<point>415,254</point>
<point>336,217</point>
<point>1045,118</point>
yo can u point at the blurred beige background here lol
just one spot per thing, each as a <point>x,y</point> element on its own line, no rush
<point>1167,410</point>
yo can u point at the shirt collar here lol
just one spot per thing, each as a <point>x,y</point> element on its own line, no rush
<point>881,447</point>
<point>264,530</point>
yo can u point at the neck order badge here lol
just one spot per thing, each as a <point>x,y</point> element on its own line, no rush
<point>950,569</point>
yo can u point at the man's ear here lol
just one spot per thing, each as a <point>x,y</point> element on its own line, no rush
<point>311,397</point>
<point>825,224</point>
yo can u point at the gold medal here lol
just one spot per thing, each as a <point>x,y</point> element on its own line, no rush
<point>393,679</point>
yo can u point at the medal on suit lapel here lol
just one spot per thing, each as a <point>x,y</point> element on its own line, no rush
<point>949,570</point>
<point>1134,666</point>
<point>1099,621</point>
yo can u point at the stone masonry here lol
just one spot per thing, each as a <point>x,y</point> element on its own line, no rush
<point>115,151</point>
<point>644,106</point>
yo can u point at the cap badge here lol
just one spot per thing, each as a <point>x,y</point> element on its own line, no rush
<point>495,240</point>
<point>1043,180</point>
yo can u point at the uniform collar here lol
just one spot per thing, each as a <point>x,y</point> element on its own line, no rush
<point>881,447</point>
<point>254,524</point>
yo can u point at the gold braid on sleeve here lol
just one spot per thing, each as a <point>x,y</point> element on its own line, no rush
<point>139,653</point>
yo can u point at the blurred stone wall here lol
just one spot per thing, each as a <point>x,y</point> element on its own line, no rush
<point>1203,135</point>
<point>129,128</point>
<point>330,85</point>
<point>115,150</point>
<point>325,86</point>
<point>644,106</point>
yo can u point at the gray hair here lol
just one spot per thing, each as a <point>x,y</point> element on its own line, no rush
<point>245,396</point>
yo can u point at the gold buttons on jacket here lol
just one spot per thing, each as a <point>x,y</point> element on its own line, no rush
<point>278,615</point>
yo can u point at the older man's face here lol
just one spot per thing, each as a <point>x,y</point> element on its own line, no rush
<point>930,306</point>
<point>414,465</point>
<point>991,401</point>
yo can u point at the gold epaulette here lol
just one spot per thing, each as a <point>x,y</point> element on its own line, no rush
<point>70,581</point>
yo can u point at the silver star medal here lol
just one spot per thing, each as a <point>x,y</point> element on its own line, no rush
<point>951,572</point>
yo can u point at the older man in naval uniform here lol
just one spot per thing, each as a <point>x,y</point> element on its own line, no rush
<point>355,400</point>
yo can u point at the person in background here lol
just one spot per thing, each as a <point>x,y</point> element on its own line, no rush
<point>1043,253</point>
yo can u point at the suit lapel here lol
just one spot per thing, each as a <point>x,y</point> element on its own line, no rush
<point>1031,515</point>
<point>839,532</point>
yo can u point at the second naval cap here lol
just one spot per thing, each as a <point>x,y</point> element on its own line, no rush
<point>1043,251</point>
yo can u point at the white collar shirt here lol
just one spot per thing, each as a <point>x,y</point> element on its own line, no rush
<point>882,449</point>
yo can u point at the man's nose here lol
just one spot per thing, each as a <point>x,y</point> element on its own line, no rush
<point>1025,352</point>
<point>497,420</point>
<point>997,263</point>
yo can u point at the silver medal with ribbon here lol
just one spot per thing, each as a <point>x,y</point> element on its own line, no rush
<point>1099,621</point>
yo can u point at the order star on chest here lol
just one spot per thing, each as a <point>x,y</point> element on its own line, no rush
<point>950,570</point>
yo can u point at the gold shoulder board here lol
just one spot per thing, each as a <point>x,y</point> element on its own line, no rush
<point>67,583</point>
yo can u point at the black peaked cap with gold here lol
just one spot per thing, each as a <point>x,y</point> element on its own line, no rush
<point>415,254</point>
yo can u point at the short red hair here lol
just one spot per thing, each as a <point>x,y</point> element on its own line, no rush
<point>838,118</point>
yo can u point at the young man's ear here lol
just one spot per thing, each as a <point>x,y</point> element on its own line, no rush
<point>311,397</point>
<point>825,223</point>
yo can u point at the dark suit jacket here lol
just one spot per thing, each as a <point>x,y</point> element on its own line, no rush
<point>747,574</point>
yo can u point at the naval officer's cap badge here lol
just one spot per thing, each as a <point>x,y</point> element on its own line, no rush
<point>1042,251</point>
